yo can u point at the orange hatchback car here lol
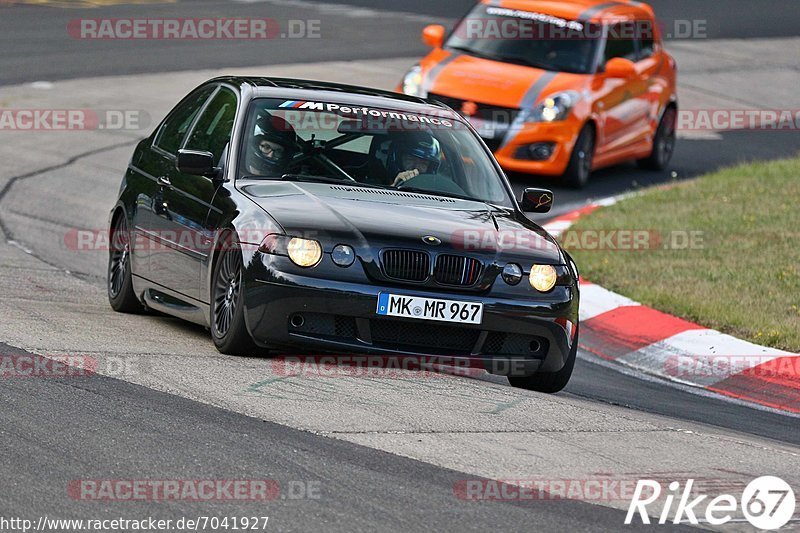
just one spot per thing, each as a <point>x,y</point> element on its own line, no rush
<point>556,88</point>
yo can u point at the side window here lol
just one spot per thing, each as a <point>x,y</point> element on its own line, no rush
<point>175,127</point>
<point>645,33</point>
<point>620,42</point>
<point>214,127</point>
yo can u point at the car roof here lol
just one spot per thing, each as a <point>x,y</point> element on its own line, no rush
<point>584,10</point>
<point>354,95</point>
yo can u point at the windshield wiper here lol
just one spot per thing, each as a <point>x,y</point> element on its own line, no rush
<point>470,51</point>
<point>328,179</point>
<point>495,57</point>
<point>430,192</point>
<point>314,177</point>
<point>522,61</point>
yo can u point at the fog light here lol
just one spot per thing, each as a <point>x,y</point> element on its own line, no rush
<point>536,151</point>
<point>343,255</point>
<point>512,274</point>
<point>304,252</point>
<point>543,277</point>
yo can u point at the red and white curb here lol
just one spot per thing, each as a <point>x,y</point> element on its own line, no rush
<point>616,328</point>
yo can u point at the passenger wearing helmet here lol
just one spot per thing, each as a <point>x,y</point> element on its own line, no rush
<point>272,149</point>
<point>412,154</point>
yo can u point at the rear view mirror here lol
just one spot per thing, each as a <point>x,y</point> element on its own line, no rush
<point>433,35</point>
<point>537,200</point>
<point>367,126</point>
<point>196,163</point>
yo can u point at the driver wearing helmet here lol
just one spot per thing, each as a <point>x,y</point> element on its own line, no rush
<point>272,149</point>
<point>413,154</point>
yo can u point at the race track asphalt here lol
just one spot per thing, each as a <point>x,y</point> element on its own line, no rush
<point>399,445</point>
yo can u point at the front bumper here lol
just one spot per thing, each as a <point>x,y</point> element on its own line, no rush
<point>288,310</point>
<point>561,134</point>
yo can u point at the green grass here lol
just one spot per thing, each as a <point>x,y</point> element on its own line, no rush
<point>745,278</point>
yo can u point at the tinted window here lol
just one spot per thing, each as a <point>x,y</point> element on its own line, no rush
<point>386,148</point>
<point>646,34</point>
<point>620,42</point>
<point>175,127</point>
<point>213,130</point>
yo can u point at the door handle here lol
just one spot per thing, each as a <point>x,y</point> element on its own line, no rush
<point>163,181</point>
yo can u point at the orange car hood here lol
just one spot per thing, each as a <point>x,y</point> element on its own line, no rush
<point>492,82</point>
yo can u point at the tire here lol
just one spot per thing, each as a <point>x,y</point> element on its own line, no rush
<point>120,285</point>
<point>548,382</point>
<point>228,329</point>
<point>579,167</point>
<point>663,142</point>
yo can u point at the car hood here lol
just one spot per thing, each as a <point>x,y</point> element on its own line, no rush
<point>373,219</point>
<point>496,83</point>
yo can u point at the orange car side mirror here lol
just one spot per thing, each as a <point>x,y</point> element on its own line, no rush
<point>433,35</point>
<point>619,67</point>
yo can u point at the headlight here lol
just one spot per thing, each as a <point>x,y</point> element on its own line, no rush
<point>412,82</point>
<point>304,252</point>
<point>543,277</point>
<point>554,108</point>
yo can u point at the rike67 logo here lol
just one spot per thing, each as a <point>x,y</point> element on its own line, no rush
<point>767,502</point>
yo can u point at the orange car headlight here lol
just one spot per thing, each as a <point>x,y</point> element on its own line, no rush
<point>554,108</point>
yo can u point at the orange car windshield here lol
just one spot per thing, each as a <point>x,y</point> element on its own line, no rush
<point>528,38</point>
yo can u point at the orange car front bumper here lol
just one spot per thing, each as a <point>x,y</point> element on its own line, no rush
<point>515,155</point>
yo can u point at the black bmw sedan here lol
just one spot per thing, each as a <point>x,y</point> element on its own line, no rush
<point>297,215</point>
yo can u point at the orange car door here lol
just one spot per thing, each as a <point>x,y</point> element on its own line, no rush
<point>650,63</point>
<point>621,102</point>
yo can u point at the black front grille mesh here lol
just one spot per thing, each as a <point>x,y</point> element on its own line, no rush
<point>406,265</point>
<point>419,336</point>
<point>457,270</point>
<point>501,117</point>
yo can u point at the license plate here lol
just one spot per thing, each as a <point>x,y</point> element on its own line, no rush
<point>429,308</point>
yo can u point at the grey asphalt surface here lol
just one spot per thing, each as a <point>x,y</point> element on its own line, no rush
<point>39,33</point>
<point>94,427</point>
<point>56,430</point>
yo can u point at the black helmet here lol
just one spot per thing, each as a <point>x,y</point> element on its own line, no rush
<point>277,131</point>
<point>419,144</point>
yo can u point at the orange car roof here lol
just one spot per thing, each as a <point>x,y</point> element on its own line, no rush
<point>586,10</point>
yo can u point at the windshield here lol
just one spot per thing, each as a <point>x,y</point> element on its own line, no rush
<point>527,38</point>
<point>369,147</point>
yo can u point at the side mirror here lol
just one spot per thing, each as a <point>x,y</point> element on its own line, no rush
<point>619,67</point>
<point>537,200</point>
<point>433,35</point>
<point>196,163</point>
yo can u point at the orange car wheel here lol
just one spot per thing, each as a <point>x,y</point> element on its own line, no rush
<point>663,142</point>
<point>580,162</point>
